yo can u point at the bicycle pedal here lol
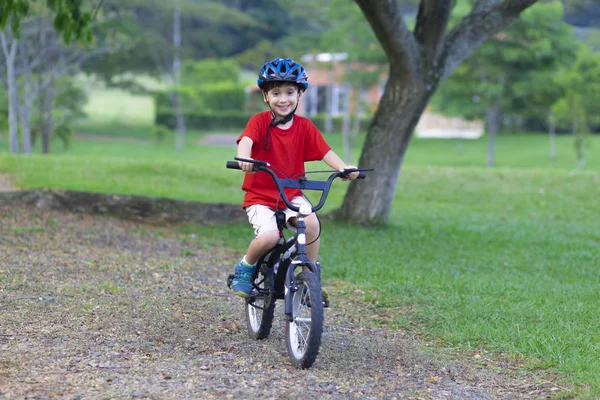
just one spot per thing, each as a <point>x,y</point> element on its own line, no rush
<point>230,280</point>
<point>325,303</point>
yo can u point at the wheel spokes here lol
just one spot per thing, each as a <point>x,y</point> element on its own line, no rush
<point>302,319</point>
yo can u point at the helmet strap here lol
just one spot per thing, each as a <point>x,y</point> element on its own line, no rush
<point>285,119</point>
<point>266,142</point>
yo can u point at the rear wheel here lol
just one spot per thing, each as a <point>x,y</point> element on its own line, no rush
<point>303,333</point>
<point>260,306</point>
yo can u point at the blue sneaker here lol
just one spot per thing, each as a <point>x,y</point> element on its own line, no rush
<point>242,279</point>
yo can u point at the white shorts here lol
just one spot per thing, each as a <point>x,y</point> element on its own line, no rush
<point>262,218</point>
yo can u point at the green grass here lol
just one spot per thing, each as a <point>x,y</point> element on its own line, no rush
<point>190,178</point>
<point>123,129</point>
<point>504,259</point>
<point>87,127</point>
<point>481,259</point>
<point>512,150</point>
<point>113,105</point>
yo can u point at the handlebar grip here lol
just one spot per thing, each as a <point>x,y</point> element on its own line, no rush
<point>257,163</point>
<point>361,174</point>
<point>233,165</point>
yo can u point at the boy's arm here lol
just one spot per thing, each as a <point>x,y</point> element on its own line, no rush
<point>335,162</point>
<point>244,150</point>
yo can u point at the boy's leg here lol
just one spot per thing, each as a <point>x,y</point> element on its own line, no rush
<point>312,236</point>
<point>265,227</point>
<point>260,245</point>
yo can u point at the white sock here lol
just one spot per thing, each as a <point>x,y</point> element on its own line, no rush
<point>246,262</point>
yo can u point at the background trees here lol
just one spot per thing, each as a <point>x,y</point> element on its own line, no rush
<point>37,62</point>
<point>509,79</point>
<point>71,17</point>
<point>578,107</point>
<point>493,60</point>
<point>419,62</point>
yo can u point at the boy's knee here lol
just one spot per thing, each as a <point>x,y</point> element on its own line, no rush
<point>312,226</point>
<point>269,237</point>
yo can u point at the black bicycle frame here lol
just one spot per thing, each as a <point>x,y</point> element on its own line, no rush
<point>300,258</point>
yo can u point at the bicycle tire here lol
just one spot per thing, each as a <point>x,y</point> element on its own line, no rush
<point>260,307</point>
<point>303,333</point>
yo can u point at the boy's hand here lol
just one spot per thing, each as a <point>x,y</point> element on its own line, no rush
<point>246,166</point>
<point>353,175</point>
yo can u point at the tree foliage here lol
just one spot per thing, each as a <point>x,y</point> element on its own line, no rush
<point>420,60</point>
<point>210,29</point>
<point>351,34</point>
<point>582,13</point>
<point>579,106</point>
<point>71,18</point>
<point>210,71</point>
<point>512,69</point>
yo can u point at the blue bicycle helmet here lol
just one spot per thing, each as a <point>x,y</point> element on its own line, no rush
<point>282,70</point>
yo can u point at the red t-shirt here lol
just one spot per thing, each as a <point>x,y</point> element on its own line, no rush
<point>287,151</point>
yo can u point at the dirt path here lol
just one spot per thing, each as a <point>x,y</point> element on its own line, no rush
<point>95,307</point>
<point>5,184</point>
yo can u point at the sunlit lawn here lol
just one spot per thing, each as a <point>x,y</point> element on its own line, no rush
<point>112,105</point>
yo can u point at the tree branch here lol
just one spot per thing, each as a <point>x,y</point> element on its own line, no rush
<point>432,21</point>
<point>485,19</point>
<point>98,7</point>
<point>399,44</point>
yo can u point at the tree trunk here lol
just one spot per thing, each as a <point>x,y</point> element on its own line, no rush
<point>492,122</point>
<point>13,98</point>
<point>579,130</point>
<point>47,40</point>
<point>358,107</point>
<point>25,108</point>
<point>46,116</point>
<point>329,104</point>
<point>179,121</point>
<point>347,143</point>
<point>384,150</point>
<point>419,62</point>
<point>552,135</point>
<point>175,99</point>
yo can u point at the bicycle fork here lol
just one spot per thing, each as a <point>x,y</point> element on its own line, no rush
<point>301,260</point>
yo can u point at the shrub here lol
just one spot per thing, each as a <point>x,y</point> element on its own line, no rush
<point>214,121</point>
<point>161,132</point>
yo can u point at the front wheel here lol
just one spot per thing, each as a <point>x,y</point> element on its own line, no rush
<point>304,331</point>
<point>260,306</point>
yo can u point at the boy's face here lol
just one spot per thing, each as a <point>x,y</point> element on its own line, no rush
<point>283,99</point>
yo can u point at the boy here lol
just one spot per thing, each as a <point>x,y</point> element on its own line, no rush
<point>285,141</point>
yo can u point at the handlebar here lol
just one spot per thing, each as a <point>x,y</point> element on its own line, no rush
<point>301,183</point>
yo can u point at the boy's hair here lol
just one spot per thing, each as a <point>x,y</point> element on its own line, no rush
<point>267,86</point>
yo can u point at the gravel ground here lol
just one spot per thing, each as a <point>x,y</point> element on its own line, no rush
<point>5,184</point>
<point>93,307</point>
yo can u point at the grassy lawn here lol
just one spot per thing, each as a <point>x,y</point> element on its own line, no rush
<point>113,105</point>
<point>501,259</point>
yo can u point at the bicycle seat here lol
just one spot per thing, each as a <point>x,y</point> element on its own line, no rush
<point>280,217</point>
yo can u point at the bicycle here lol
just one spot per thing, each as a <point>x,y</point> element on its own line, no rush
<point>274,279</point>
